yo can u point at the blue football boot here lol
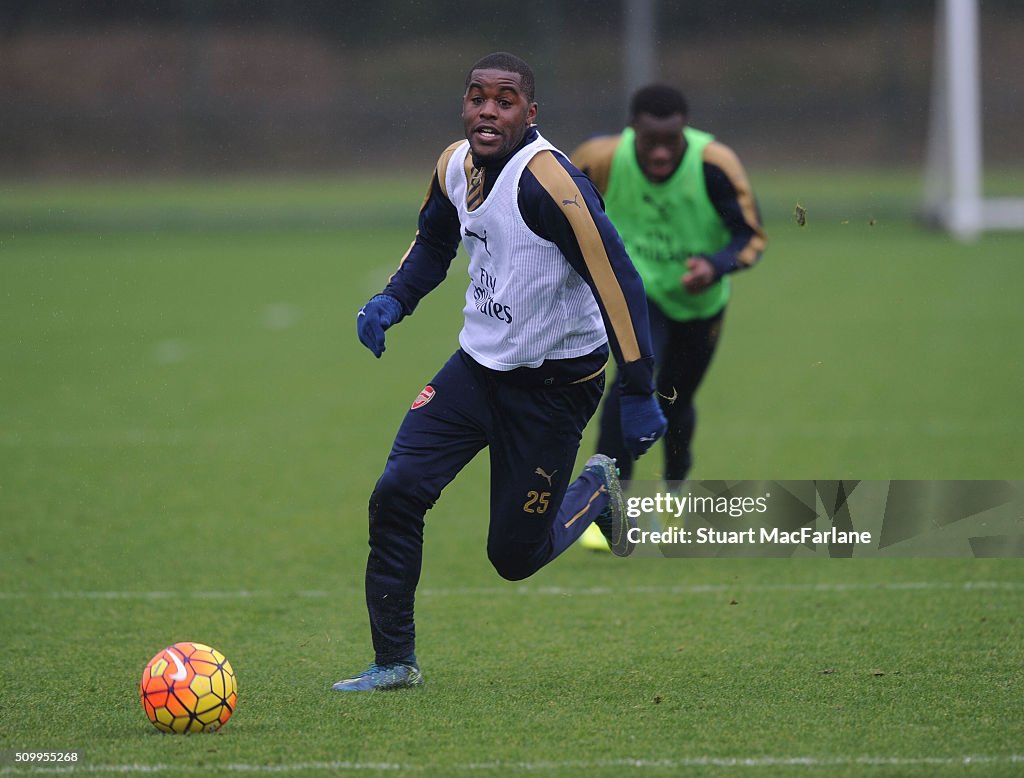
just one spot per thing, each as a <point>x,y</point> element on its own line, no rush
<point>613,521</point>
<point>396,675</point>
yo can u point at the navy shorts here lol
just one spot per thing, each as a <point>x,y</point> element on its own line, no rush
<point>531,422</point>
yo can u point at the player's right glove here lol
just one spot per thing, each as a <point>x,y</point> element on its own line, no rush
<point>642,422</point>
<point>373,318</point>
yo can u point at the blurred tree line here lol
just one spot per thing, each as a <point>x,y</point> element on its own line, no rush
<point>127,87</point>
<point>365,22</point>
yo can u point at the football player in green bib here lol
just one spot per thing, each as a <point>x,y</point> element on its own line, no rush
<point>684,207</point>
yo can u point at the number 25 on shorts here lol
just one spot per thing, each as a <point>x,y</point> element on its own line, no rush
<point>536,502</point>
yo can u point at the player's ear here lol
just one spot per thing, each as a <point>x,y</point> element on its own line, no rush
<point>531,114</point>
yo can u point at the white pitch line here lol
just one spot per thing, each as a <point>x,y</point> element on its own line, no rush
<point>854,429</point>
<point>824,430</point>
<point>500,767</point>
<point>540,591</point>
<point>118,438</point>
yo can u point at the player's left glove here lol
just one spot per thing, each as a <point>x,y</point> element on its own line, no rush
<point>642,422</point>
<point>373,318</point>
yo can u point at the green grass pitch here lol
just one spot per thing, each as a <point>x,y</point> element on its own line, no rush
<point>189,432</point>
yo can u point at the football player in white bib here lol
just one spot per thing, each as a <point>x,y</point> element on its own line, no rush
<point>550,292</point>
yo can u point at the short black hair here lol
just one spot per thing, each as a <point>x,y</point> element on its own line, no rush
<point>658,100</point>
<point>510,63</point>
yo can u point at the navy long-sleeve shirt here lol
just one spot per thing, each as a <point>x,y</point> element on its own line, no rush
<point>591,246</point>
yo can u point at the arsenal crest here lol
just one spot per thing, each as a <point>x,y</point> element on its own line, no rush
<point>423,397</point>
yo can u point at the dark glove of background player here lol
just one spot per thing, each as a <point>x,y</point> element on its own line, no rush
<point>376,316</point>
<point>642,422</point>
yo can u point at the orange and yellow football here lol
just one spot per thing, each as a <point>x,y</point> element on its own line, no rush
<point>189,687</point>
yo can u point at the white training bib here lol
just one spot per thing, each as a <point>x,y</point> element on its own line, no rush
<point>525,303</point>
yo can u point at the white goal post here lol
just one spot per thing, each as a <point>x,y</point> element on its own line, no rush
<point>954,165</point>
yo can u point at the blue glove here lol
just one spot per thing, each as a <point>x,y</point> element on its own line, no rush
<point>642,422</point>
<point>373,318</point>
